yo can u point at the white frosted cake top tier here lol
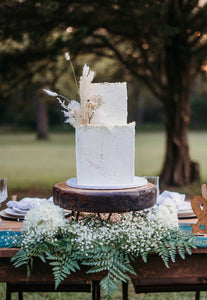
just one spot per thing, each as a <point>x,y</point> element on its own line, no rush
<point>113,110</point>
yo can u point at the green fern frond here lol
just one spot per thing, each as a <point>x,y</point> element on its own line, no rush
<point>144,257</point>
<point>172,251</point>
<point>119,275</point>
<point>162,251</point>
<point>188,249</point>
<point>108,285</point>
<point>181,251</point>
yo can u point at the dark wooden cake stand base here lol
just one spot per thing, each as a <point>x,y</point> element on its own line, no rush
<point>104,201</point>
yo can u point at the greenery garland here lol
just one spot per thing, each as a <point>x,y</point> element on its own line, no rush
<point>101,245</point>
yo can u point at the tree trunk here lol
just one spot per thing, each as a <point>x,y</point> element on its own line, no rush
<point>178,168</point>
<point>42,119</point>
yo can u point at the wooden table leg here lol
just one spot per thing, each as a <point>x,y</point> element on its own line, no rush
<point>197,295</point>
<point>96,291</point>
<point>20,295</point>
<point>8,292</point>
<point>125,290</point>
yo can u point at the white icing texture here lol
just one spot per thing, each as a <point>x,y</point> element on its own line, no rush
<point>113,110</point>
<point>105,155</point>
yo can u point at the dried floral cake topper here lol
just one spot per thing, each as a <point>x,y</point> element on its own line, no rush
<point>79,112</point>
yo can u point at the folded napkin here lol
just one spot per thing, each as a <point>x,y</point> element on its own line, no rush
<point>26,203</point>
<point>178,199</point>
<point>185,206</point>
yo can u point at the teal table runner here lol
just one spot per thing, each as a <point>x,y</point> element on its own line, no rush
<point>6,237</point>
<point>202,241</point>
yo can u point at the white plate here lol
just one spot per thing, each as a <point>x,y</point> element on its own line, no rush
<point>138,182</point>
<point>185,208</point>
<point>186,215</point>
<point>185,211</point>
<point>6,216</point>
<point>12,212</point>
<point>19,210</point>
<point>67,212</point>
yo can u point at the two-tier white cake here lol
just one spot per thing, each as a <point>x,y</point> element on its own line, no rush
<point>105,143</point>
<point>105,147</point>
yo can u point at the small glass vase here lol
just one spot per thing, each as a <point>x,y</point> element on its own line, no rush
<point>154,180</point>
<point>3,191</point>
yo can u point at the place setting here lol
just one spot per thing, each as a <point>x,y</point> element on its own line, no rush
<point>185,211</point>
<point>3,192</point>
<point>17,210</point>
<point>184,208</point>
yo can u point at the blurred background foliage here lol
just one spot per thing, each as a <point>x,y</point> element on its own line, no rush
<point>35,34</point>
<point>18,108</point>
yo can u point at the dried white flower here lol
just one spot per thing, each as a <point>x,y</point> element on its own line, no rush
<point>50,93</point>
<point>85,81</point>
<point>72,113</point>
<point>67,56</point>
<point>92,104</point>
<point>95,102</point>
<point>84,90</point>
<point>79,113</point>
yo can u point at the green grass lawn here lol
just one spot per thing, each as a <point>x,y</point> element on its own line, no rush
<point>117,295</point>
<point>34,166</point>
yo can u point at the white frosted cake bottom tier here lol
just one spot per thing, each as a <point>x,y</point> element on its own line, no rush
<point>105,155</point>
<point>138,182</point>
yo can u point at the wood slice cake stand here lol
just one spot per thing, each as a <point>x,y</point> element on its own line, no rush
<point>104,201</point>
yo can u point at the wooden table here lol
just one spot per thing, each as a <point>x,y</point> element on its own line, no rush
<point>189,274</point>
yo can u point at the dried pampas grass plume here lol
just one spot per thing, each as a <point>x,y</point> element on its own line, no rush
<point>79,113</point>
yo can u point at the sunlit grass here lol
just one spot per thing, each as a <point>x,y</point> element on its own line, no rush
<point>149,151</point>
<point>29,163</point>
